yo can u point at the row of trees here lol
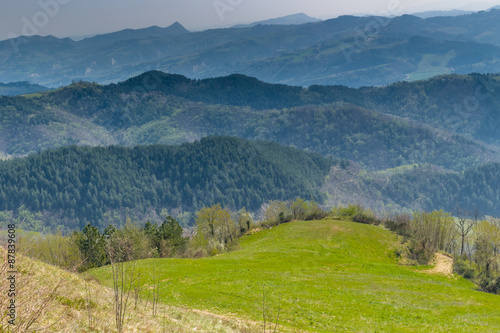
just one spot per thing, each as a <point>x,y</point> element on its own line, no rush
<point>215,231</point>
<point>90,248</point>
<point>473,241</point>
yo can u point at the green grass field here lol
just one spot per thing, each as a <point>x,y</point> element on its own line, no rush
<point>331,276</point>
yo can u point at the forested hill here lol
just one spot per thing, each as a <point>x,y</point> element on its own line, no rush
<point>75,185</point>
<point>418,187</point>
<point>421,126</point>
<point>466,104</point>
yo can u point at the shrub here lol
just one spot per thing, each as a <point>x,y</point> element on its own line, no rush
<point>464,268</point>
<point>490,285</point>
<point>363,218</point>
<point>399,224</point>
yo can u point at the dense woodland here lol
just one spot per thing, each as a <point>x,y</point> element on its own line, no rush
<point>424,123</point>
<point>333,121</point>
<point>72,186</point>
<point>417,187</point>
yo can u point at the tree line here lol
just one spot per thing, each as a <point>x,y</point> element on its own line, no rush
<point>471,239</point>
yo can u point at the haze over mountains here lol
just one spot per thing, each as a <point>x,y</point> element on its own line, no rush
<point>349,50</point>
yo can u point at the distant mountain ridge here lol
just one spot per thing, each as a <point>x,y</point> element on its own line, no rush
<point>337,51</point>
<point>442,13</point>
<point>293,19</point>
<point>20,88</point>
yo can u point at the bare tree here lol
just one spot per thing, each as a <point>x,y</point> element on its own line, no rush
<point>465,221</point>
<point>89,304</point>
<point>267,313</point>
<point>124,278</point>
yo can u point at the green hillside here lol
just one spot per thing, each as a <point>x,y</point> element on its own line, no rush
<point>334,121</point>
<point>417,187</point>
<point>72,186</point>
<point>330,275</point>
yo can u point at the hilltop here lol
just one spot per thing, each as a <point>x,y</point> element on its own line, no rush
<point>323,276</point>
<point>380,127</point>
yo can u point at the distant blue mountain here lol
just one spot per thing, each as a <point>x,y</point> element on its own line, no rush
<point>442,13</point>
<point>294,19</point>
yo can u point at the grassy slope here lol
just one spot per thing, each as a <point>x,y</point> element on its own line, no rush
<point>56,301</point>
<point>332,276</point>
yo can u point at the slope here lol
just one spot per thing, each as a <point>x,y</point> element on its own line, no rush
<point>75,185</point>
<point>417,187</point>
<point>332,120</point>
<point>323,276</point>
<point>50,299</point>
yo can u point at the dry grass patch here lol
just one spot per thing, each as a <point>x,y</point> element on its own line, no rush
<point>53,300</point>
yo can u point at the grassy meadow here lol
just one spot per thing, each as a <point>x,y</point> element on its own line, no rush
<point>319,276</point>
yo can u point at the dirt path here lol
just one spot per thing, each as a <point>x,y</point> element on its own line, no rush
<point>443,264</point>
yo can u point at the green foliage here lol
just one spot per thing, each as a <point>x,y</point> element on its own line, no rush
<point>76,185</point>
<point>217,226</point>
<point>421,188</point>
<point>464,268</point>
<point>298,208</point>
<point>366,219</point>
<point>277,212</point>
<point>490,285</point>
<point>431,232</point>
<point>92,245</point>
<point>350,211</point>
<point>167,238</point>
<point>54,249</point>
<point>127,244</point>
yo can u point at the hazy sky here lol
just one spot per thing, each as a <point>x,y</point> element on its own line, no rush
<point>64,18</point>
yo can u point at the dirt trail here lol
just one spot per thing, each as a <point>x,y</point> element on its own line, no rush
<point>443,264</point>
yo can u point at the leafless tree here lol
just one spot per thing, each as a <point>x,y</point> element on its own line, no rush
<point>465,221</point>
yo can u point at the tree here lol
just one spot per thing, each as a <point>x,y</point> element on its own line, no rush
<point>170,236</point>
<point>276,212</point>
<point>216,223</point>
<point>465,222</point>
<point>431,232</point>
<point>487,245</point>
<point>298,208</point>
<point>92,246</point>
<point>245,219</point>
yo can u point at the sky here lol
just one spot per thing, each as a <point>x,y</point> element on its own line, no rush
<point>73,18</point>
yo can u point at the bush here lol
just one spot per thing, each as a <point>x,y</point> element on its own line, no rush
<point>464,268</point>
<point>350,210</point>
<point>399,224</point>
<point>365,219</point>
<point>490,285</point>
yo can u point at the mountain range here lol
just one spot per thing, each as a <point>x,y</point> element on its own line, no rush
<point>423,145</point>
<point>450,121</point>
<point>348,50</point>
